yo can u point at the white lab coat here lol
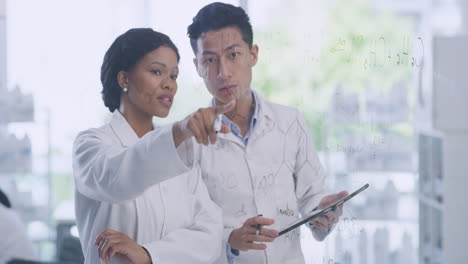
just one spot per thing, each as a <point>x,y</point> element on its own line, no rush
<point>145,189</point>
<point>277,174</point>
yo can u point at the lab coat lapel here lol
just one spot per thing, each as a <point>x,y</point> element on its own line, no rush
<point>265,122</point>
<point>123,130</point>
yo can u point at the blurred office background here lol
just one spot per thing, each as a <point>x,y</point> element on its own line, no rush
<point>381,83</point>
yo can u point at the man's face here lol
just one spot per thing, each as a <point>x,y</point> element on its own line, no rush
<point>225,62</point>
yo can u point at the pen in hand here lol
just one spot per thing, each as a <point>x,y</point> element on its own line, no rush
<point>217,123</point>
<point>257,230</point>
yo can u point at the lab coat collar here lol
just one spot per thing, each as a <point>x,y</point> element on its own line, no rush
<point>269,113</point>
<point>264,123</point>
<point>122,129</point>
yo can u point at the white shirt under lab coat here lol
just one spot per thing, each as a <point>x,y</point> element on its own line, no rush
<point>145,189</point>
<point>277,174</point>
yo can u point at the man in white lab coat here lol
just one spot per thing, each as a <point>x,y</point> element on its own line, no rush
<point>268,164</point>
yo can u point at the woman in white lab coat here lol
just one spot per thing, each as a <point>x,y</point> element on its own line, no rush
<point>139,197</point>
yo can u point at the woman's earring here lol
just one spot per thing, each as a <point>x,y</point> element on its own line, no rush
<point>125,89</point>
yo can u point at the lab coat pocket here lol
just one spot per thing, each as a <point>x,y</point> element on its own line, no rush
<point>286,209</point>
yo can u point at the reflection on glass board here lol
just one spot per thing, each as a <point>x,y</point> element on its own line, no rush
<point>360,72</point>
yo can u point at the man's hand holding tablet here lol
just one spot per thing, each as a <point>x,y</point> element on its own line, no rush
<point>327,214</point>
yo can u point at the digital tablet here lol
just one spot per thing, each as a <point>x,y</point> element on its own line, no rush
<point>314,214</point>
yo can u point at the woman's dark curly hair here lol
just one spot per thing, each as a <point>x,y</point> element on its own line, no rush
<point>123,55</point>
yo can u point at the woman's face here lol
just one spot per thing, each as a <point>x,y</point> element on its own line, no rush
<point>152,82</point>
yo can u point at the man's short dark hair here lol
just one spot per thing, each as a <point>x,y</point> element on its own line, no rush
<point>216,16</point>
<point>123,55</point>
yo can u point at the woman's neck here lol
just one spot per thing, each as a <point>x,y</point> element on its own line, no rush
<point>140,122</point>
